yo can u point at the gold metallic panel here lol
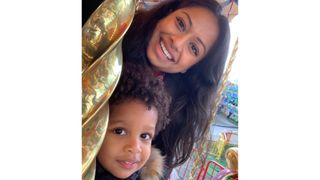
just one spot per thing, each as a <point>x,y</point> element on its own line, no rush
<point>101,68</point>
<point>91,172</point>
<point>101,34</point>
<point>105,26</point>
<point>93,133</point>
<point>99,81</point>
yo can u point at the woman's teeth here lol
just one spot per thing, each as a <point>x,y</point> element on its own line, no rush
<point>165,51</point>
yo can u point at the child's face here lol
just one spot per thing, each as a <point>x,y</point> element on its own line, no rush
<point>127,143</point>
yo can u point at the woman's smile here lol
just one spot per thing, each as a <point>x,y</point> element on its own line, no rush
<point>163,53</point>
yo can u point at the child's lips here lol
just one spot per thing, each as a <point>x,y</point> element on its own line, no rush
<point>128,164</point>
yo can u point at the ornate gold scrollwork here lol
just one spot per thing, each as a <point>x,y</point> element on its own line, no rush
<point>101,68</point>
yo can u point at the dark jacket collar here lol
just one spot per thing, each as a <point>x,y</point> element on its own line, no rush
<point>102,174</point>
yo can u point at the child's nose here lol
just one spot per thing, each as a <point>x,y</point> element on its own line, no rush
<point>133,145</point>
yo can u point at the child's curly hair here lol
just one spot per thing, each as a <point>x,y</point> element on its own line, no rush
<point>138,82</point>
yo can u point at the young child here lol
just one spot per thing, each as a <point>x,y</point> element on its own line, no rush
<point>138,111</point>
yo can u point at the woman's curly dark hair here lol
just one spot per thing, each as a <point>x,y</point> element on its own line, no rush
<point>137,82</point>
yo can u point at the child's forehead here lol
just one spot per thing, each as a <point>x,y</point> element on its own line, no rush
<point>132,112</point>
<point>131,104</point>
<point>127,101</point>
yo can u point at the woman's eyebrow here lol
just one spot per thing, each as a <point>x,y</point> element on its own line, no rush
<point>204,47</point>
<point>190,22</point>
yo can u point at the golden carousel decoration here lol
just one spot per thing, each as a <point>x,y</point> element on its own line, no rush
<point>101,68</point>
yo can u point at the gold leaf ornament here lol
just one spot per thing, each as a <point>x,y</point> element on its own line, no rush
<point>102,62</point>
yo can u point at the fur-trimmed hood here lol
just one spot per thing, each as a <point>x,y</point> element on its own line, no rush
<point>153,169</point>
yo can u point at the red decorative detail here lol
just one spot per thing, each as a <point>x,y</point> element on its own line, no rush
<point>215,164</point>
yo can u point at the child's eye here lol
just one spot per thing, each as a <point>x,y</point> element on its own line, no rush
<point>181,24</point>
<point>119,131</point>
<point>146,136</point>
<point>194,49</point>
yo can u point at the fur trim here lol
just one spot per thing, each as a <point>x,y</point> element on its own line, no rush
<point>153,169</point>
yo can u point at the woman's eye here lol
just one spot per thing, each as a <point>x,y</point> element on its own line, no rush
<point>181,24</point>
<point>146,136</point>
<point>194,49</point>
<point>119,131</point>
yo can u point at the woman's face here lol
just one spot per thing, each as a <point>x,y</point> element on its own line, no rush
<point>182,39</point>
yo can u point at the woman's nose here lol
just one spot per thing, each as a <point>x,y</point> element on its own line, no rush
<point>179,41</point>
<point>133,145</point>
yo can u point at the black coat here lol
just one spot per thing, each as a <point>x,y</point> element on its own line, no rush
<point>102,174</point>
